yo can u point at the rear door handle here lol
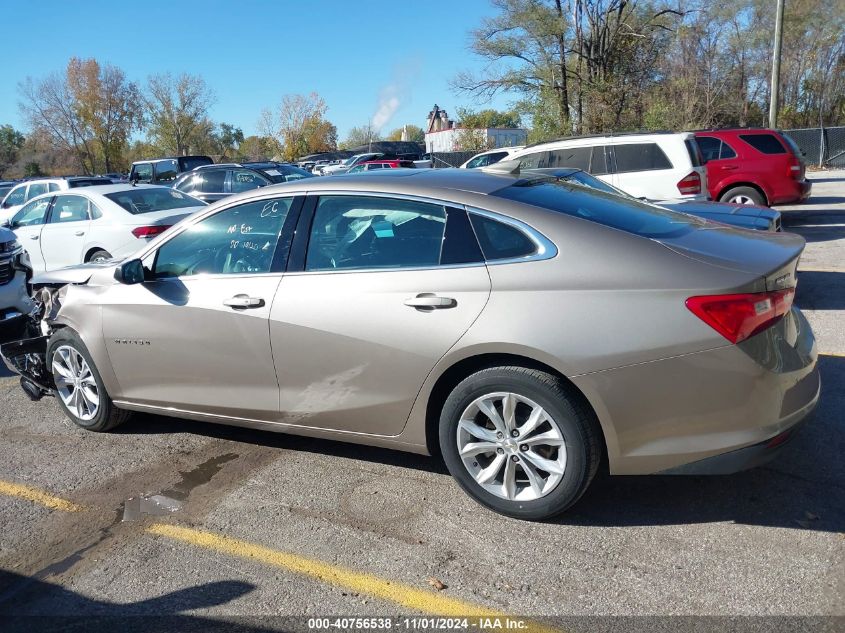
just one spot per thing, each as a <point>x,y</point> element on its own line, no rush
<point>243,302</point>
<point>430,301</point>
<point>34,237</point>
<point>78,233</point>
<point>730,167</point>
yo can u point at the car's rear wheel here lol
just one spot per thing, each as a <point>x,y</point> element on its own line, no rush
<point>99,256</point>
<point>519,441</point>
<point>742,195</point>
<point>79,387</point>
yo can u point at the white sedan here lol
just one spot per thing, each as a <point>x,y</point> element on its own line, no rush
<point>97,223</point>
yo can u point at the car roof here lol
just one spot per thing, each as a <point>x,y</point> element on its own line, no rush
<point>100,190</point>
<point>611,135</point>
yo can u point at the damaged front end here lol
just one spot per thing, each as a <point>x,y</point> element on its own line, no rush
<point>23,342</point>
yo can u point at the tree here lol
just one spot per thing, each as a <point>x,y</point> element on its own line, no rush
<point>11,141</point>
<point>414,133</point>
<point>299,127</point>
<point>106,105</point>
<point>177,111</point>
<point>472,140</point>
<point>361,135</point>
<point>256,148</point>
<point>488,119</point>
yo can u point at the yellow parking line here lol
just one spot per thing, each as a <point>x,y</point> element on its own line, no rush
<point>38,496</point>
<point>410,597</point>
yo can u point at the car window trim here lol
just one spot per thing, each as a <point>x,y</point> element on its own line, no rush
<point>546,249</point>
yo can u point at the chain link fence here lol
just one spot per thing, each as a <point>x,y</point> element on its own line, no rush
<point>821,146</point>
<point>450,159</point>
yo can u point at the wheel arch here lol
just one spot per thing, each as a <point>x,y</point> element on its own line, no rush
<point>467,366</point>
<point>90,251</point>
<point>743,183</point>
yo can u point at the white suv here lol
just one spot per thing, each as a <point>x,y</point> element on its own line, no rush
<point>656,165</point>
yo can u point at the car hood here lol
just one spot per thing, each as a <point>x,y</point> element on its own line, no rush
<point>79,274</point>
<point>6,235</point>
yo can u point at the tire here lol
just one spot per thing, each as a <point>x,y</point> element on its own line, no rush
<point>743,195</point>
<point>66,350</point>
<point>572,424</point>
<point>99,255</point>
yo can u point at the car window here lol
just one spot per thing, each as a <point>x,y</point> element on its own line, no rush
<point>533,161</point>
<point>499,240</point>
<point>190,162</point>
<point>188,183</point>
<point>212,181</point>
<point>709,147</point>
<point>376,166</point>
<point>51,187</point>
<point>36,190</point>
<point>239,240</point>
<point>88,182</point>
<point>640,157</point>
<point>765,143</point>
<point>625,214</point>
<point>166,170</point>
<point>143,172</point>
<point>146,200</point>
<point>356,169</point>
<point>598,162</point>
<point>16,196</point>
<point>32,214</point>
<point>726,151</point>
<point>244,180</point>
<point>479,161</point>
<point>578,157</point>
<point>374,233</point>
<point>94,211</point>
<point>69,209</point>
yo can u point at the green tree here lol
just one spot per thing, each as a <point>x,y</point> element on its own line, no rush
<point>11,141</point>
<point>415,133</point>
<point>361,135</point>
<point>488,119</point>
<point>177,111</point>
<point>298,127</point>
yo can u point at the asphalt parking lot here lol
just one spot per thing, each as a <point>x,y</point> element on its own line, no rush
<point>250,523</point>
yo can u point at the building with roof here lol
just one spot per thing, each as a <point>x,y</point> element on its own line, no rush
<point>444,135</point>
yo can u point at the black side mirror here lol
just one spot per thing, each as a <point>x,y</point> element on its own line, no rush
<point>131,272</point>
<point>7,224</point>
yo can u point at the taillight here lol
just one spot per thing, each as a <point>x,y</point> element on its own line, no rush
<point>149,231</point>
<point>794,168</point>
<point>691,183</point>
<point>741,316</point>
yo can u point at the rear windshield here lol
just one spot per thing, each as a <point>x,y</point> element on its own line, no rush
<point>149,200</point>
<point>187,163</point>
<point>611,210</point>
<point>88,182</point>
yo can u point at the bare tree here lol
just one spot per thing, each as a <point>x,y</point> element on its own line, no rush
<point>299,127</point>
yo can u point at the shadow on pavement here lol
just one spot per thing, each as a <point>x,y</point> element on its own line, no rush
<point>820,290</point>
<point>42,606</point>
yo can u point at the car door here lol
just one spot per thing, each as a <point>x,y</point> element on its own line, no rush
<point>27,224</point>
<point>65,233</point>
<point>377,291</point>
<point>195,336</point>
<point>722,160</point>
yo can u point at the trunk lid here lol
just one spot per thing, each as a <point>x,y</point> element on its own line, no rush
<point>771,256</point>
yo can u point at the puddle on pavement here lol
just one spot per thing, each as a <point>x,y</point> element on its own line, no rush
<point>171,500</point>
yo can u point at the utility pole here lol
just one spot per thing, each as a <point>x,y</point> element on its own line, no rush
<point>773,103</point>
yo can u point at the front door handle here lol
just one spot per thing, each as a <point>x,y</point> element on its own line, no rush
<point>730,167</point>
<point>78,233</point>
<point>34,237</point>
<point>426,300</point>
<point>243,302</point>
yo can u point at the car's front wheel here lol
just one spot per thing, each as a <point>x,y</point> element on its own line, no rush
<point>79,387</point>
<point>519,441</point>
<point>99,256</point>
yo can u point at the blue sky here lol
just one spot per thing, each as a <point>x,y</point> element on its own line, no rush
<point>251,52</point>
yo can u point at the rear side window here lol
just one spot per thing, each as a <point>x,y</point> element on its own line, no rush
<point>501,241</point>
<point>714,148</point>
<point>640,157</point>
<point>625,214</point>
<point>533,161</point>
<point>143,172</point>
<point>764,143</point>
<point>212,181</point>
<point>36,190</point>
<point>244,180</point>
<point>578,157</point>
<point>166,170</point>
<point>598,165</point>
<point>69,209</point>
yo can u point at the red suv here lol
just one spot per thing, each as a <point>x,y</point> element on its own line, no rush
<point>753,166</point>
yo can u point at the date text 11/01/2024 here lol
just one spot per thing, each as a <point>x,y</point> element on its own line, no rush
<point>419,624</point>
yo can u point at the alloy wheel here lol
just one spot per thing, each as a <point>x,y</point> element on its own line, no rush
<point>741,199</point>
<point>511,446</point>
<point>75,383</point>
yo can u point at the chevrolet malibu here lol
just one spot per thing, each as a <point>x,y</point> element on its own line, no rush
<point>525,328</point>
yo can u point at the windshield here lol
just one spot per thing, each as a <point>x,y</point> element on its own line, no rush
<point>150,200</point>
<point>608,209</point>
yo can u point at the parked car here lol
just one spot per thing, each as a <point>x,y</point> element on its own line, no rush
<point>657,165</point>
<point>744,216</point>
<point>349,163</point>
<point>14,294</point>
<point>6,187</point>
<point>97,223</point>
<point>29,189</point>
<point>523,328</point>
<point>370,165</point>
<point>165,170</point>
<point>753,166</point>
<point>491,157</point>
<point>214,182</point>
